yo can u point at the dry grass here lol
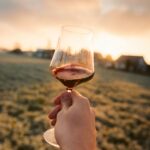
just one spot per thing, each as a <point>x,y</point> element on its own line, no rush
<point>121,101</point>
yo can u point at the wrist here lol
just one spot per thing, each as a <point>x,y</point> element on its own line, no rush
<point>81,148</point>
<point>84,143</point>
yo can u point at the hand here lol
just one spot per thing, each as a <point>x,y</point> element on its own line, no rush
<point>74,122</point>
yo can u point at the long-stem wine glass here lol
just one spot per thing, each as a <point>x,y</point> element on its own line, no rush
<point>72,62</point>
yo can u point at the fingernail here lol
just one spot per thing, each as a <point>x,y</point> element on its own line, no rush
<point>54,112</point>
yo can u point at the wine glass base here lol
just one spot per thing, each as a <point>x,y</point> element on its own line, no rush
<point>49,137</point>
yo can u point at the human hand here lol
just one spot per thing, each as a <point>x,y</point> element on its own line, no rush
<point>74,122</point>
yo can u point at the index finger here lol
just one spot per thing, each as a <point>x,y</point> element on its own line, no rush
<point>62,98</point>
<point>57,100</point>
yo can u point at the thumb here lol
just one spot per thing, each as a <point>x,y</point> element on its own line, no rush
<point>78,99</point>
<point>66,100</point>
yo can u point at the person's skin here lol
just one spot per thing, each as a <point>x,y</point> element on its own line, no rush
<point>75,125</point>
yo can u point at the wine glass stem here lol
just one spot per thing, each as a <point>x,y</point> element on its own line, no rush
<point>69,90</point>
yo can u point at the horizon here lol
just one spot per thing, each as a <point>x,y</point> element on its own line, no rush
<point>95,51</point>
<point>120,27</point>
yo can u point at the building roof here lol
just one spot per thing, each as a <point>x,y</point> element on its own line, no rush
<point>125,58</point>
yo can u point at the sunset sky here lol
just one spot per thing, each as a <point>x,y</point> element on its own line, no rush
<point>120,26</point>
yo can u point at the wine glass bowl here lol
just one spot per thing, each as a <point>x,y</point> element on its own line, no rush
<point>72,62</point>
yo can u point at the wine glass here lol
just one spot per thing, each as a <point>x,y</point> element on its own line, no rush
<point>72,62</point>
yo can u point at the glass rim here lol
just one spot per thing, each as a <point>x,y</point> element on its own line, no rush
<point>77,29</point>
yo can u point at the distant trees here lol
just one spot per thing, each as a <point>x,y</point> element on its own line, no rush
<point>109,58</point>
<point>109,63</point>
<point>17,49</point>
<point>98,56</point>
<point>104,61</point>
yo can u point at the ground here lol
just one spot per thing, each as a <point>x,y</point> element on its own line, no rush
<point>121,101</point>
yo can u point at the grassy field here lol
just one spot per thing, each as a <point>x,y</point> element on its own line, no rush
<point>121,101</point>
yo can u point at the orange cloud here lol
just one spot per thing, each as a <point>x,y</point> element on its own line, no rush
<point>126,23</point>
<point>37,19</point>
<point>117,16</point>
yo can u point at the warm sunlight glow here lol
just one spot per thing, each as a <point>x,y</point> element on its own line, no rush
<point>114,45</point>
<point>120,26</point>
<point>108,44</point>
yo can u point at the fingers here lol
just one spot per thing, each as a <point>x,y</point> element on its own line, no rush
<point>53,122</point>
<point>63,99</point>
<point>75,93</point>
<point>57,100</point>
<point>78,99</point>
<point>53,113</point>
<point>66,100</point>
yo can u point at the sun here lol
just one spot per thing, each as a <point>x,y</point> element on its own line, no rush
<point>106,44</point>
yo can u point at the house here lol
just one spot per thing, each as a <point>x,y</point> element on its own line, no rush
<point>148,69</point>
<point>44,53</point>
<point>131,63</point>
<point>109,63</point>
<point>28,53</point>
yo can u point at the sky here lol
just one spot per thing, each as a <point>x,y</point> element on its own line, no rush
<point>119,26</point>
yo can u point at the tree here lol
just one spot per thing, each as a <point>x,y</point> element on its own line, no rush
<point>17,49</point>
<point>108,58</point>
<point>98,56</point>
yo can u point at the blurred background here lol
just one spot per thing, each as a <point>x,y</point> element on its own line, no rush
<point>119,91</point>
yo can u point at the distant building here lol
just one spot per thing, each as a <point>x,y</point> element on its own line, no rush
<point>3,50</point>
<point>148,69</point>
<point>44,53</point>
<point>131,63</point>
<point>109,63</point>
<point>28,53</point>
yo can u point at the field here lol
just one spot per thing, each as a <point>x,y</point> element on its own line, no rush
<point>121,101</point>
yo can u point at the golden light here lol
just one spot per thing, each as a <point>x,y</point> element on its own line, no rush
<point>106,44</point>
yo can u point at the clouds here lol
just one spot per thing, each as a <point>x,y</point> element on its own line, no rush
<point>126,23</point>
<point>27,13</point>
<point>34,19</point>
<point>123,17</point>
<point>48,8</point>
<point>33,22</point>
<point>136,6</point>
<point>127,17</point>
